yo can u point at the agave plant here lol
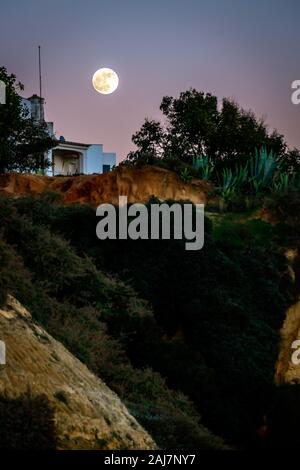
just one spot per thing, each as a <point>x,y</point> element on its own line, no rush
<point>285,181</point>
<point>185,175</point>
<point>233,181</point>
<point>242,176</point>
<point>228,183</point>
<point>204,166</point>
<point>262,169</point>
<point>281,182</point>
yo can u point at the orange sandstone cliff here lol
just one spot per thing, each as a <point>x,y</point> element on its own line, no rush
<point>138,184</point>
<point>91,416</point>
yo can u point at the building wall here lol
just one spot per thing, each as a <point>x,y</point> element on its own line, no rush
<point>37,108</point>
<point>96,158</point>
<point>67,163</point>
<point>109,158</point>
<point>92,157</point>
<point>27,105</point>
<point>34,108</point>
<point>50,128</point>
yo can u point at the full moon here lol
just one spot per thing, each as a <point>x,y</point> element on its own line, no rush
<point>105,81</point>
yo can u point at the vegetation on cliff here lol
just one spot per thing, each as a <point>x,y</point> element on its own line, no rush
<point>226,145</point>
<point>207,327</point>
<point>95,315</point>
<point>27,423</point>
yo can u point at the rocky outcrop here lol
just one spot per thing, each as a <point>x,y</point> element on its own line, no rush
<point>138,184</point>
<point>286,370</point>
<point>88,415</point>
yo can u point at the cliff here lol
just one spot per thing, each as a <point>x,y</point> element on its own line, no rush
<point>286,370</point>
<point>88,415</point>
<point>138,184</point>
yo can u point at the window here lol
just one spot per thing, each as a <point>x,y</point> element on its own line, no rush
<point>106,168</point>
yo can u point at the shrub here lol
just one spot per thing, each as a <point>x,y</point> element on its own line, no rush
<point>282,418</point>
<point>204,167</point>
<point>27,422</point>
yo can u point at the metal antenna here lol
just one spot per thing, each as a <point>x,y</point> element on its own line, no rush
<point>40,82</point>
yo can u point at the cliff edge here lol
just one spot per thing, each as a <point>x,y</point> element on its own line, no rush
<point>138,184</point>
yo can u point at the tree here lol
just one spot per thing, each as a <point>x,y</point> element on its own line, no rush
<point>195,126</point>
<point>192,120</point>
<point>150,140</point>
<point>23,142</point>
<point>290,162</point>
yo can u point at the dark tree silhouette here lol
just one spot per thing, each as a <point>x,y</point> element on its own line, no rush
<point>23,142</point>
<point>195,125</point>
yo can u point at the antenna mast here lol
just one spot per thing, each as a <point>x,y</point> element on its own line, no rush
<point>40,82</point>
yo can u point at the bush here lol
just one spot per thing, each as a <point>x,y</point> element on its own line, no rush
<point>27,422</point>
<point>282,418</point>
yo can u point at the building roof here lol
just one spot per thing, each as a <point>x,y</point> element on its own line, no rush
<point>34,96</point>
<point>68,142</point>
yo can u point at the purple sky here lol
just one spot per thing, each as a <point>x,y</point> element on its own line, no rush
<point>244,49</point>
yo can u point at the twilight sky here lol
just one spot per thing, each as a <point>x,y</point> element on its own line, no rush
<point>244,49</point>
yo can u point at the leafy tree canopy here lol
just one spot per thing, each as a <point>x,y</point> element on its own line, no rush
<point>195,125</point>
<point>23,142</point>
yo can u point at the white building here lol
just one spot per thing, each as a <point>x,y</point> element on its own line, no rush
<point>70,158</point>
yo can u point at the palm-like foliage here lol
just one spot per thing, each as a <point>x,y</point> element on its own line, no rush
<point>284,181</point>
<point>228,183</point>
<point>242,176</point>
<point>260,174</point>
<point>262,169</point>
<point>232,181</point>
<point>185,175</point>
<point>204,166</point>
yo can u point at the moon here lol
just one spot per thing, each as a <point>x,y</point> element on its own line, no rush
<point>105,81</point>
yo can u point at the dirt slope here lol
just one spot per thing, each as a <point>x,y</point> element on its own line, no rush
<point>91,416</point>
<point>138,184</point>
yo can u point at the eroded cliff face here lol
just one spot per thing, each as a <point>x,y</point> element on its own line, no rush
<point>88,415</point>
<point>286,370</point>
<point>138,184</point>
